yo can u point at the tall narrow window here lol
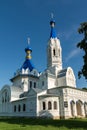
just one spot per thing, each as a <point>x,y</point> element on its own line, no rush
<point>19,108</point>
<point>30,84</point>
<point>42,83</point>
<point>55,105</point>
<point>49,105</point>
<point>2,99</point>
<point>15,108</point>
<point>34,84</point>
<point>53,52</point>
<point>24,107</point>
<point>44,105</point>
<point>5,96</point>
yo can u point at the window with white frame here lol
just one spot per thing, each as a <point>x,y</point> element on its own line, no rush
<point>44,105</point>
<point>49,105</point>
<point>55,105</point>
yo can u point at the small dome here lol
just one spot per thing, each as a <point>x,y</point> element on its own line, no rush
<point>52,21</point>
<point>28,48</point>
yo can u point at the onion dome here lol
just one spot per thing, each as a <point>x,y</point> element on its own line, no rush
<point>53,32</point>
<point>28,63</point>
<point>28,51</point>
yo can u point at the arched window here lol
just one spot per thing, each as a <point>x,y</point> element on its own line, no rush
<point>24,107</point>
<point>6,96</point>
<point>54,52</point>
<point>15,108</point>
<point>49,105</point>
<point>55,105</point>
<point>30,84</point>
<point>42,83</point>
<point>5,99</point>
<point>19,108</point>
<point>72,105</point>
<point>34,84</point>
<point>79,107</point>
<point>2,99</point>
<point>44,105</point>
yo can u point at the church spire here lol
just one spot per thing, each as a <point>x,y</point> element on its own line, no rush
<point>54,50</point>
<point>52,24</point>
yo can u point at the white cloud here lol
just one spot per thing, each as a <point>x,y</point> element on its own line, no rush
<point>72,54</point>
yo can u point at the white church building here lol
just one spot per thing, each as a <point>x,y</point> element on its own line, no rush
<point>51,93</point>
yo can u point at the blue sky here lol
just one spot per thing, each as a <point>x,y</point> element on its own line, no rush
<point>20,19</point>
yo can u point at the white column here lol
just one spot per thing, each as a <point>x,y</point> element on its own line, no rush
<point>83,111</point>
<point>75,110</point>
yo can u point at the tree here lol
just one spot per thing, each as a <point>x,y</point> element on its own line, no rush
<point>85,89</point>
<point>83,45</point>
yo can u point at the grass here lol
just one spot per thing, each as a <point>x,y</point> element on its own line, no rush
<point>42,124</point>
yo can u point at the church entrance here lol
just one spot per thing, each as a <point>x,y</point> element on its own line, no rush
<point>79,108</point>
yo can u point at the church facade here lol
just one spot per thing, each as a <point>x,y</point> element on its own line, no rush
<point>51,93</point>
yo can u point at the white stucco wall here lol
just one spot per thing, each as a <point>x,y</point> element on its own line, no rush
<point>49,113</point>
<point>62,81</point>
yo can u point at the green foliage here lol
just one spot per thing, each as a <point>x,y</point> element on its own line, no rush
<point>84,89</point>
<point>83,45</point>
<point>42,124</point>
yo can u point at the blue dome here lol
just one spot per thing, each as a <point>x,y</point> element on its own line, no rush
<point>28,64</point>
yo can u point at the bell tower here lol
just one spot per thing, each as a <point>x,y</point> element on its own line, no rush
<point>54,50</point>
